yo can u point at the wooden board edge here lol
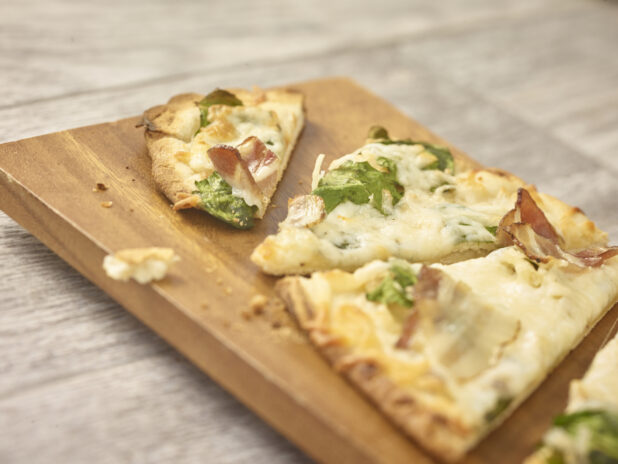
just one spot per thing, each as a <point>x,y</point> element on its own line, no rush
<point>211,355</point>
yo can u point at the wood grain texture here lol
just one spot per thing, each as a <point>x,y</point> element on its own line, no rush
<point>200,308</point>
<point>528,86</point>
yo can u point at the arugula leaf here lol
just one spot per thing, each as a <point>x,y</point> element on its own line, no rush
<point>556,457</point>
<point>393,288</point>
<point>377,132</point>
<point>492,230</point>
<point>216,97</point>
<point>444,158</point>
<point>499,408</point>
<point>216,198</point>
<point>602,429</point>
<point>359,183</point>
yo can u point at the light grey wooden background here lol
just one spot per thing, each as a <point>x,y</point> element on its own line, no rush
<point>526,85</point>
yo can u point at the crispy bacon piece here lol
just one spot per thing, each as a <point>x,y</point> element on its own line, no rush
<point>234,170</point>
<point>256,154</point>
<point>409,327</point>
<point>526,211</point>
<point>261,162</point>
<point>305,211</point>
<point>425,289</point>
<point>527,227</point>
<point>250,167</point>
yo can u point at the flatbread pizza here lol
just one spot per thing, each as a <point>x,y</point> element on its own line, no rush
<point>225,152</point>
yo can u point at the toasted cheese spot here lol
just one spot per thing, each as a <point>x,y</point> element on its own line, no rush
<point>183,156</point>
<point>220,129</point>
<point>141,264</point>
<point>353,324</point>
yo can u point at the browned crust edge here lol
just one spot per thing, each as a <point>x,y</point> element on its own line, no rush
<point>440,435</point>
<point>443,437</point>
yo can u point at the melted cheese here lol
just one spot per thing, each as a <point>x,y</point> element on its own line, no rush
<point>439,214</point>
<point>597,390</point>
<point>553,307</point>
<point>599,387</point>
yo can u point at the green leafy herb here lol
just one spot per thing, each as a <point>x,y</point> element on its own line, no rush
<point>444,159</point>
<point>216,198</point>
<point>556,457</point>
<point>377,132</point>
<point>492,230</point>
<point>393,288</point>
<point>499,408</point>
<point>601,427</point>
<point>216,97</point>
<point>360,183</point>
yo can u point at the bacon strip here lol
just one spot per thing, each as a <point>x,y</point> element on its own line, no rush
<point>234,170</point>
<point>526,211</point>
<point>260,162</point>
<point>426,288</point>
<point>409,327</point>
<point>256,154</point>
<point>527,227</point>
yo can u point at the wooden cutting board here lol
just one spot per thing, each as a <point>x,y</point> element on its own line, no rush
<point>202,307</point>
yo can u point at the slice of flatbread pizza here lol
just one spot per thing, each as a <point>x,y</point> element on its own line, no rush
<point>587,433</point>
<point>447,351</point>
<point>405,199</point>
<point>224,152</point>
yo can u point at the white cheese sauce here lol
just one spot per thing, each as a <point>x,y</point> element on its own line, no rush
<point>553,305</point>
<point>351,235</point>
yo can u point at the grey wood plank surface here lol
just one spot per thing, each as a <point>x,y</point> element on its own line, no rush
<point>527,86</point>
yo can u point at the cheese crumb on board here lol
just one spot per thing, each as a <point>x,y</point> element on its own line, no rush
<point>142,264</point>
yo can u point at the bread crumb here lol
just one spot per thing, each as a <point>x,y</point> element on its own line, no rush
<point>100,187</point>
<point>107,204</point>
<point>273,313</point>
<point>142,264</point>
<point>257,304</point>
<point>219,280</point>
<point>204,305</point>
<point>228,290</point>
